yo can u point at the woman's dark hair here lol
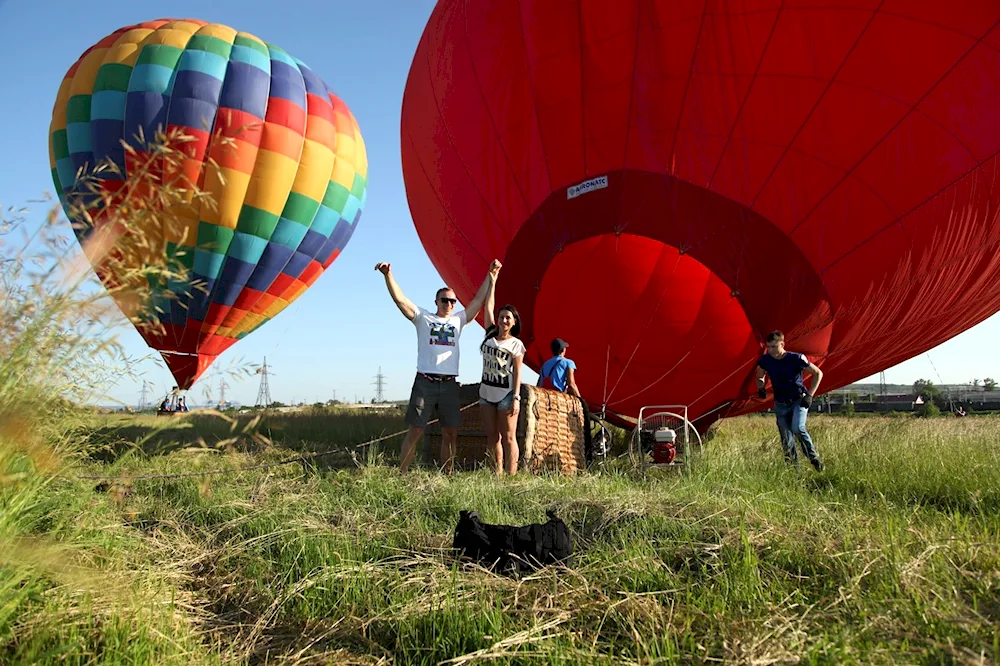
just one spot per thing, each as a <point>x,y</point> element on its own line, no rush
<point>515,330</point>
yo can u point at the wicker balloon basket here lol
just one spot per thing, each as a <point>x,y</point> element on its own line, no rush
<point>552,433</point>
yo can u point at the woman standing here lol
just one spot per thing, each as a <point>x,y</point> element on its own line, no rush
<point>500,389</point>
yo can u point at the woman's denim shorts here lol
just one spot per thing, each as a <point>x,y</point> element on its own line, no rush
<point>504,405</point>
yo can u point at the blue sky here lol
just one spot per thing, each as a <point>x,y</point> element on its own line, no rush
<point>337,335</point>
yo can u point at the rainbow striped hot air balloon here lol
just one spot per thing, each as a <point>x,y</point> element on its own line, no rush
<point>289,185</point>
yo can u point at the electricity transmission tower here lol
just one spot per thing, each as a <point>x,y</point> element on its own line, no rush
<point>264,392</point>
<point>222,391</point>
<point>379,386</point>
<point>143,401</point>
<point>882,392</point>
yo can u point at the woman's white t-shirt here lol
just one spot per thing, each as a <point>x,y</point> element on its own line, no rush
<point>498,367</point>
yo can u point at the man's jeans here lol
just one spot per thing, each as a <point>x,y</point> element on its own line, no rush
<point>792,426</point>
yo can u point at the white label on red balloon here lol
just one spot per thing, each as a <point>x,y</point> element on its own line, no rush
<point>598,183</point>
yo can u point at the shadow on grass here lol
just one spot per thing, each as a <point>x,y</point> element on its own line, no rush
<point>162,436</point>
<point>947,499</point>
<point>333,434</point>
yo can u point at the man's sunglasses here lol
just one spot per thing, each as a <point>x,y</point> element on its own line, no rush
<point>452,301</point>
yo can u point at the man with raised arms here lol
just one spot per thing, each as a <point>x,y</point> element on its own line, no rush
<point>436,385</point>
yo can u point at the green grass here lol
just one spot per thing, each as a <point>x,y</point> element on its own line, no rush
<point>890,556</point>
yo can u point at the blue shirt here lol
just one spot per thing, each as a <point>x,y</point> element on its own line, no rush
<point>786,375</point>
<point>557,369</point>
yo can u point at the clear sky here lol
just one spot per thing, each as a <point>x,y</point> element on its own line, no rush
<point>339,333</point>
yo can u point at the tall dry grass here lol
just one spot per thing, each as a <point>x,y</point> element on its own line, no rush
<point>61,583</point>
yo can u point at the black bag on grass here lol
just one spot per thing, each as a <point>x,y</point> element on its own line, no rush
<point>511,548</point>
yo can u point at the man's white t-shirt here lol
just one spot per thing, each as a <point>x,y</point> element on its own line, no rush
<point>498,367</point>
<point>437,342</point>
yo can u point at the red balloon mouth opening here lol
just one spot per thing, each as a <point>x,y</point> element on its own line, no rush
<point>642,240</point>
<point>662,322</point>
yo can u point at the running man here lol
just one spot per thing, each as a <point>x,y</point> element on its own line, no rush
<point>791,399</point>
<point>435,384</point>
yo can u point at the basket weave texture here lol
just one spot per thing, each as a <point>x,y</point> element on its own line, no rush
<point>551,429</point>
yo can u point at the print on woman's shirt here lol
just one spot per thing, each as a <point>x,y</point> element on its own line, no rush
<point>495,363</point>
<point>442,334</point>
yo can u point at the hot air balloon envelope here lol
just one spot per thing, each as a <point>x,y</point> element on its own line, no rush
<point>667,181</point>
<point>278,154</point>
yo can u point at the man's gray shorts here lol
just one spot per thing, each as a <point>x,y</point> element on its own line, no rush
<point>427,394</point>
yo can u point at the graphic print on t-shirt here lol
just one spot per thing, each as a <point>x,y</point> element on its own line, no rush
<point>495,363</point>
<point>442,334</point>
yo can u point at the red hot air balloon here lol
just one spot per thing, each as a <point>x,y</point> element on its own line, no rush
<point>667,181</point>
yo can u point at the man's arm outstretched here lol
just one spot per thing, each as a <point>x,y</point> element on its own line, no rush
<point>404,304</point>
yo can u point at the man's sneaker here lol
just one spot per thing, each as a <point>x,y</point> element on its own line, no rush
<point>818,464</point>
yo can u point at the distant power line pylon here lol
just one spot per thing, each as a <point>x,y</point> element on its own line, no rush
<point>143,400</point>
<point>264,392</point>
<point>379,386</point>
<point>882,391</point>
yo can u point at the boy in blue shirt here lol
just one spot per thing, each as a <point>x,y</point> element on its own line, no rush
<point>791,399</point>
<point>557,372</point>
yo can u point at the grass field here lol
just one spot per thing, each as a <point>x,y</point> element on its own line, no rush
<point>892,555</point>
